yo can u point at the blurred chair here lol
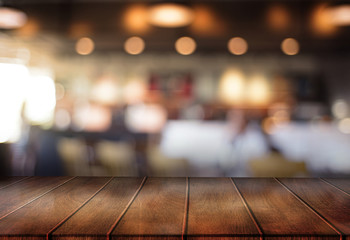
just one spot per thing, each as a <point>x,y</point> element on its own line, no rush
<point>74,155</point>
<point>163,166</point>
<point>117,158</point>
<point>276,165</point>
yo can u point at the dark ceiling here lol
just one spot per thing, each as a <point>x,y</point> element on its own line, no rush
<point>104,21</point>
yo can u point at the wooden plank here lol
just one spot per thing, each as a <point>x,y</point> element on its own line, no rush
<point>328,201</point>
<point>216,210</point>
<point>341,183</point>
<point>279,213</point>
<point>8,181</point>
<point>98,215</point>
<point>157,212</point>
<point>37,219</point>
<point>17,195</point>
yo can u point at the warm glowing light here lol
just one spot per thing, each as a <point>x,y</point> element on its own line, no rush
<point>206,23</point>
<point>145,118</point>
<point>344,126</point>
<point>135,91</point>
<point>80,29</point>
<point>340,15</point>
<point>170,15</point>
<point>106,91</point>
<point>62,119</point>
<point>231,87</point>
<point>92,117</point>
<point>13,78</point>
<point>40,99</point>
<point>134,45</point>
<point>258,91</point>
<point>30,29</point>
<point>60,91</point>
<point>340,109</point>
<point>11,18</point>
<point>237,46</point>
<point>135,19</point>
<point>278,17</point>
<point>290,46</point>
<point>321,21</point>
<point>185,45</point>
<point>84,46</point>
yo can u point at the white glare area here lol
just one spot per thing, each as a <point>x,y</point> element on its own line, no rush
<point>40,99</point>
<point>12,80</point>
<point>135,91</point>
<point>11,18</point>
<point>231,87</point>
<point>344,126</point>
<point>170,15</point>
<point>340,109</point>
<point>145,118</point>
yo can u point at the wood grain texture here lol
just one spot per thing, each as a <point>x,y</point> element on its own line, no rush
<point>8,181</point>
<point>328,201</point>
<point>35,220</point>
<point>156,213</point>
<point>341,183</point>
<point>279,213</point>
<point>216,209</point>
<point>21,193</point>
<point>99,214</point>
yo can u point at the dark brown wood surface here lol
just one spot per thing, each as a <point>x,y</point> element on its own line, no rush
<point>325,199</point>
<point>279,213</point>
<point>8,181</point>
<point>227,214</point>
<point>341,183</point>
<point>173,208</point>
<point>158,210</point>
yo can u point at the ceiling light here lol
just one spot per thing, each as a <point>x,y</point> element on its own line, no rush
<point>340,15</point>
<point>11,18</point>
<point>84,46</point>
<point>134,45</point>
<point>290,46</point>
<point>170,15</point>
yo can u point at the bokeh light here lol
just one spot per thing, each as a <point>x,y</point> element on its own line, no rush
<point>231,87</point>
<point>11,18</point>
<point>85,46</point>
<point>135,19</point>
<point>13,78</point>
<point>185,45</point>
<point>258,91</point>
<point>134,45</point>
<point>290,46</point>
<point>278,17</point>
<point>40,100</point>
<point>344,126</point>
<point>170,15</point>
<point>340,109</point>
<point>237,46</point>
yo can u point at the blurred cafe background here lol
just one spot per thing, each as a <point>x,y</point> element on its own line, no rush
<point>175,88</point>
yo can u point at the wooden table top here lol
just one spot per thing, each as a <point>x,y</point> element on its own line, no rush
<point>174,208</point>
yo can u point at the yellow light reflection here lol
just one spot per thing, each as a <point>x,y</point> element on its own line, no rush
<point>13,78</point>
<point>258,91</point>
<point>134,45</point>
<point>84,46</point>
<point>237,46</point>
<point>344,126</point>
<point>170,15</point>
<point>290,46</point>
<point>135,19</point>
<point>278,17</point>
<point>321,21</point>
<point>340,109</point>
<point>185,45</point>
<point>231,87</point>
<point>40,100</point>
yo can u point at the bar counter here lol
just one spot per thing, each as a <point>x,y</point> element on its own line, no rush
<point>174,208</point>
